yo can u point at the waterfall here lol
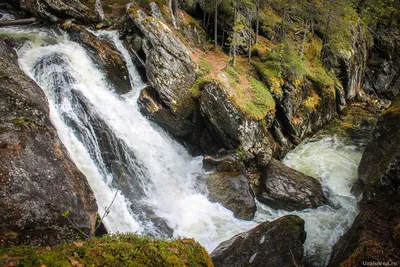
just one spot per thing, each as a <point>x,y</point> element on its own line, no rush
<point>157,193</point>
<point>152,176</point>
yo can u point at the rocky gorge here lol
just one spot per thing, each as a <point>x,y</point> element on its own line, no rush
<point>242,120</point>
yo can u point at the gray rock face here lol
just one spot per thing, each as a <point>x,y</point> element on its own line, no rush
<point>288,189</point>
<point>108,59</point>
<point>38,180</point>
<point>353,63</point>
<point>229,125</point>
<point>375,234</point>
<point>56,11</point>
<point>170,121</point>
<point>293,103</point>
<point>278,243</point>
<point>233,191</point>
<point>386,131</point>
<point>382,74</point>
<point>169,67</point>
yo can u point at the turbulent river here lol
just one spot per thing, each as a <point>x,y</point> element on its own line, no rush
<point>154,177</point>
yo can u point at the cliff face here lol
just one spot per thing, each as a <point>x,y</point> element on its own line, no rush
<point>374,236</point>
<point>38,180</point>
<point>382,73</point>
<point>213,106</point>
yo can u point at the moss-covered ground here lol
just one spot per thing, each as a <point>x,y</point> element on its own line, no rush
<point>116,250</point>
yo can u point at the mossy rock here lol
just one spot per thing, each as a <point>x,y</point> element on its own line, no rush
<point>368,251</point>
<point>116,250</point>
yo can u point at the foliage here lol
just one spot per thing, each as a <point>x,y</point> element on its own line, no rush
<point>116,250</point>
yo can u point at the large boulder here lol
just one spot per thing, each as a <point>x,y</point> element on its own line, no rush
<point>304,109</point>
<point>169,67</point>
<point>59,10</point>
<point>38,180</point>
<point>170,121</point>
<point>233,191</point>
<point>374,235</point>
<point>278,243</point>
<point>229,125</point>
<point>104,54</point>
<point>288,189</point>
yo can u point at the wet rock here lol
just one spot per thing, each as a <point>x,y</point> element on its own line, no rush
<point>58,11</point>
<point>227,163</point>
<point>353,62</point>
<point>288,189</point>
<point>192,133</point>
<point>160,113</point>
<point>229,125</point>
<point>382,74</point>
<point>304,110</point>
<point>233,191</point>
<point>275,244</point>
<point>169,67</point>
<point>374,234</point>
<point>386,131</point>
<point>38,180</point>
<point>103,54</point>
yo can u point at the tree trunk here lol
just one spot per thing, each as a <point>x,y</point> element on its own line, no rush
<point>390,24</point>
<point>17,22</point>
<point>257,19</point>
<point>250,37</point>
<point>216,26</point>
<point>234,34</point>
<point>303,43</point>
<point>173,6</point>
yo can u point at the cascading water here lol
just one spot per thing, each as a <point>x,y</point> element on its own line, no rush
<point>334,164</point>
<point>116,147</point>
<point>163,170</point>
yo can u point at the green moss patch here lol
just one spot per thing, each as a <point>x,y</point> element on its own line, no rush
<point>195,90</point>
<point>116,250</point>
<point>394,109</point>
<point>262,101</point>
<point>367,251</point>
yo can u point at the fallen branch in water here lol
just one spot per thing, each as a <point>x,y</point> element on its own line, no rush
<point>17,22</point>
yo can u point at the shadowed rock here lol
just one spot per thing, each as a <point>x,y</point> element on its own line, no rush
<point>375,234</point>
<point>275,244</point>
<point>288,189</point>
<point>233,191</point>
<point>38,180</point>
<point>56,10</point>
